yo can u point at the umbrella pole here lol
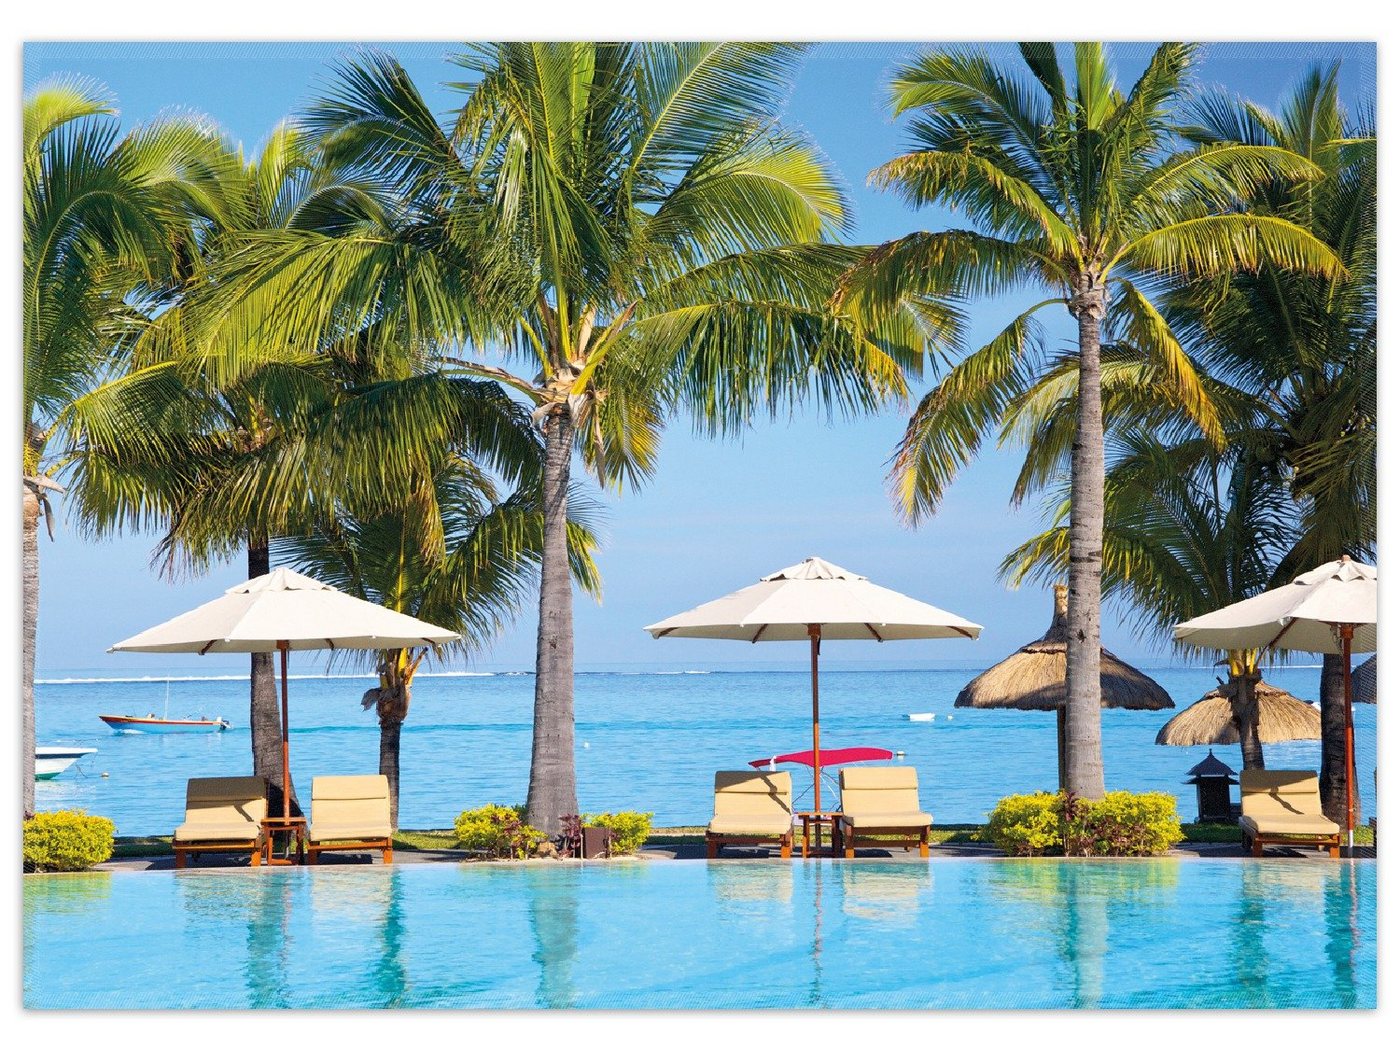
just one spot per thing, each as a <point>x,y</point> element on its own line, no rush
<point>814,632</point>
<point>286,760</point>
<point>1350,754</point>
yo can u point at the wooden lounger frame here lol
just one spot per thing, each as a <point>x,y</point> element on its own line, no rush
<point>906,837</point>
<point>715,841</point>
<point>254,847</point>
<point>386,846</point>
<point>1256,841</point>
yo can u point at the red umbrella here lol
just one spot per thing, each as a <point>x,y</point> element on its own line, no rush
<point>834,757</point>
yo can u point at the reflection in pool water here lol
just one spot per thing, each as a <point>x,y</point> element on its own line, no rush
<point>649,934</point>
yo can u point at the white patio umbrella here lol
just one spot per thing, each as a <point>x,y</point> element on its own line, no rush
<point>281,611</point>
<point>815,600</point>
<point>1330,609</point>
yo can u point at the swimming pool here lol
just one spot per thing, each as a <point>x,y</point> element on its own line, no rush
<point>689,934</point>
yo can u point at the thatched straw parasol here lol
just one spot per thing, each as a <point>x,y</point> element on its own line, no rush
<point>1033,679</point>
<point>1282,716</point>
<point>1363,683</point>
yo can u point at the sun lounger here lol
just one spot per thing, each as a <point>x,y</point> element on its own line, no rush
<point>1283,807</point>
<point>881,801</point>
<point>350,813</point>
<point>751,809</point>
<point>222,815</point>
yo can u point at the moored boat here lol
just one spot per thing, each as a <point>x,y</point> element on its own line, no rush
<point>152,724</point>
<point>49,762</point>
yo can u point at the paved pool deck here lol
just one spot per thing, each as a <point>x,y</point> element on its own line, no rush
<point>696,851</point>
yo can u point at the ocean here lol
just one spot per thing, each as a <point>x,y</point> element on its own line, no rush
<point>647,740</point>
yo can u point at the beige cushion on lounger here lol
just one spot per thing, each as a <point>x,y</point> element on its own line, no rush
<point>1282,802</point>
<point>752,804</point>
<point>349,808</point>
<point>882,797</point>
<point>1290,825</point>
<point>210,832</point>
<point>223,809</point>
<point>754,825</point>
<point>904,819</point>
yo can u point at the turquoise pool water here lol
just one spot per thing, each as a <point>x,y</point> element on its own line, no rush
<point>949,934</point>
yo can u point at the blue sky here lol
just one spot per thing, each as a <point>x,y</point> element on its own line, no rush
<point>719,514</point>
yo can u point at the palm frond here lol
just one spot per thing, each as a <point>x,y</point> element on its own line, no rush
<point>949,424</point>
<point>1213,245</point>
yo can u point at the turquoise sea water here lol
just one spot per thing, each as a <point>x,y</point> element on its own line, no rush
<point>649,741</point>
<point>731,934</point>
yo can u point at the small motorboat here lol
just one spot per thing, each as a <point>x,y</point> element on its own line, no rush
<point>153,724</point>
<point>49,762</point>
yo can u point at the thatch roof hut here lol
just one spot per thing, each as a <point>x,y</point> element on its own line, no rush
<point>1363,683</point>
<point>1282,716</point>
<point>1033,677</point>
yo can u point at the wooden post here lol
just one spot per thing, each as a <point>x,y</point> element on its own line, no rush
<point>1350,756</point>
<point>286,758</point>
<point>814,632</point>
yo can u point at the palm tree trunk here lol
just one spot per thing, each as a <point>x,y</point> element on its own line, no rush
<point>390,729</point>
<point>1333,775</point>
<point>30,571</point>
<point>1083,732</point>
<point>1244,709</point>
<point>553,790</point>
<point>264,713</point>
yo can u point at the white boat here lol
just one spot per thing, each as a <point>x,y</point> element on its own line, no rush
<point>921,716</point>
<point>49,762</point>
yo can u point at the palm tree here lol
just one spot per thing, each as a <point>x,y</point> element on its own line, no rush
<point>109,225</point>
<point>1085,195</point>
<point>455,555</point>
<point>631,222</point>
<point>1187,530</point>
<point>1305,346</point>
<point>224,465</point>
<point>155,438</point>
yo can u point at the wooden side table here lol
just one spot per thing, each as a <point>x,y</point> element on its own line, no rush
<point>296,827</point>
<point>813,820</point>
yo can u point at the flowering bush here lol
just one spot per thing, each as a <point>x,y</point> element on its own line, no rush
<point>1024,825</point>
<point>630,828</point>
<point>1121,824</point>
<point>66,840</point>
<point>499,831</point>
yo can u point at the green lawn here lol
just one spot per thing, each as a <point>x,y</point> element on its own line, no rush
<point>1231,833</point>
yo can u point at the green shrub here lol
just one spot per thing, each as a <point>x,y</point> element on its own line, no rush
<point>631,828</point>
<point>1024,825</point>
<point>500,831</point>
<point>1121,824</point>
<point>66,840</point>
